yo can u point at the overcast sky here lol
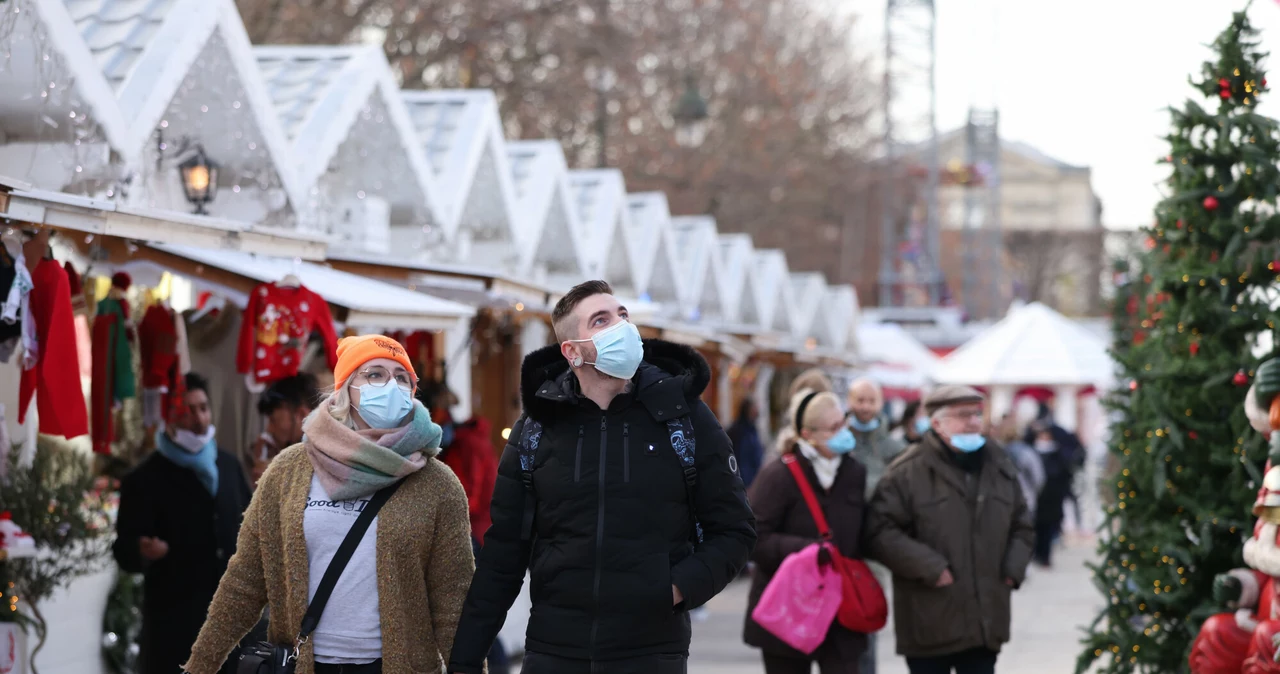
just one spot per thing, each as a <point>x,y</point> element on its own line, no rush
<point>1085,81</point>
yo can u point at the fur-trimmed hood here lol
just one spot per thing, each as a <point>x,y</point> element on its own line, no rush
<point>669,372</point>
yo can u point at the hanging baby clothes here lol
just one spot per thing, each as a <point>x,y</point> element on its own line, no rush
<point>158,347</point>
<point>277,324</point>
<point>55,377</point>
<point>112,366</point>
<point>16,324</point>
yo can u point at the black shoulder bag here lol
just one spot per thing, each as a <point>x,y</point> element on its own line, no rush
<point>268,658</point>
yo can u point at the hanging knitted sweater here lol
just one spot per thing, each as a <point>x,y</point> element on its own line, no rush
<point>278,321</point>
<point>55,378</point>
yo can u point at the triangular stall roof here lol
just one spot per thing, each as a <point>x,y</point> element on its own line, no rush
<point>838,316</point>
<point>694,239</point>
<point>808,290</point>
<point>1032,346</point>
<point>183,70</point>
<point>770,287</point>
<point>350,132</point>
<point>736,251</point>
<point>600,200</point>
<point>550,240</point>
<point>645,234</point>
<point>461,133</point>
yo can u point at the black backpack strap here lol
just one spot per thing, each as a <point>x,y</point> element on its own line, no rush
<point>339,562</point>
<point>686,447</point>
<point>530,436</point>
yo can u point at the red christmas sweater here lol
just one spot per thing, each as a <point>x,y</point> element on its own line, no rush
<point>158,344</point>
<point>276,326</point>
<point>55,380</point>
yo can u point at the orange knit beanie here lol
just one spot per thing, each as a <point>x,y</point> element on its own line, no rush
<point>353,352</point>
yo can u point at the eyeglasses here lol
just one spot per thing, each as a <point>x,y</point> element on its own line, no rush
<point>378,376</point>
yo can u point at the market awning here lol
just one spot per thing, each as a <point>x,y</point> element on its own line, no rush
<point>108,218</point>
<point>370,304</point>
<point>476,287</point>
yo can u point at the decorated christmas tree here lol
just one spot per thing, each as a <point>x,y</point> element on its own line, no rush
<point>1197,316</point>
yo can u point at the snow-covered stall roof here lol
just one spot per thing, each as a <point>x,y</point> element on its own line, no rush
<point>1032,346</point>
<point>808,290</point>
<point>600,200</point>
<point>694,240</point>
<point>838,317</point>
<point>736,251</point>
<point>185,68</point>
<point>550,240</point>
<point>645,233</point>
<point>461,133</point>
<point>770,289</point>
<point>371,304</point>
<point>894,357</point>
<point>350,132</point>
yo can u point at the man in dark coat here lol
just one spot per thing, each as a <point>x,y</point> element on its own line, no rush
<point>611,546</point>
<point>180,513</point>
<point>949,520</point>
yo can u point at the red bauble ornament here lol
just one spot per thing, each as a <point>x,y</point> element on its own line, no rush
<point>1177,225</point>
<point>1213,256</point>
<point>1211,203</point>
<point>1193,435</point>
<point>1224,83</point>
<point>1133,385</point>
<point>1195,348</point>
<point>1151,243</point>
<point>1240,378</point>
<point>1225,93</point>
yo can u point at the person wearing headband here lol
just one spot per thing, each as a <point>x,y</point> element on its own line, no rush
<point>950,522</point>
<point>594,500</point>
<point>820,441</point>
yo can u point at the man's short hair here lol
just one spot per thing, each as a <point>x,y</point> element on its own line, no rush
<point>300,390</point>
<point>564,308</point>
<point>194,382</point>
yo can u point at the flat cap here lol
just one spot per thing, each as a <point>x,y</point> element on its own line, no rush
<point>950,395</point>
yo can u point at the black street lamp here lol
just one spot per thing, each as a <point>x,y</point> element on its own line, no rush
<point>691,116</point>
<point>199,179</point>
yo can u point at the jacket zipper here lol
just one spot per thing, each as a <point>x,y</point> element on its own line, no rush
<point>973,561</point>
<point>577,457</point>
<point>626,452</point>
<point>595,592</point>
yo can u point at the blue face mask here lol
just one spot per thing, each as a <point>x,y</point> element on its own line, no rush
<point>842,442</point>
<point>922,425</point>
<point>447,438</point>
<point>384,406</point>
<point>619,350</point>
<point>864,427</point>
<point>968,442</point>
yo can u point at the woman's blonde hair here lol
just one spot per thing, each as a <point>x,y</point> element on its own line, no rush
<point>338,404</point>
<point>822,402</point>
<point>813,379</point>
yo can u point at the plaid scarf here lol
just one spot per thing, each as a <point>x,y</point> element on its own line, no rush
<point>354,464</point>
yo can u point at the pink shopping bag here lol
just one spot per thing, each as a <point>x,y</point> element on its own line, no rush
<point>800,601</point>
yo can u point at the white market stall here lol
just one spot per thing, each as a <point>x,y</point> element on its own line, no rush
<point>1033,346</point>
<point>895,359</point>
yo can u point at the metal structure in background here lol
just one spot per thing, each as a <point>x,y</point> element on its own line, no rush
<point>983,237</point>
<point>909,247</point>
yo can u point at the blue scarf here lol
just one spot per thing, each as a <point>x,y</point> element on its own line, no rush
<point>203,463</point>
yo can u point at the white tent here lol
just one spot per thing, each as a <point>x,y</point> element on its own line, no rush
<point>1032,346</point>
<point>894,358</point>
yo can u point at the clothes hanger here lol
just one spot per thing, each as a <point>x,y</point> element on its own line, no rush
<point>290,281</point>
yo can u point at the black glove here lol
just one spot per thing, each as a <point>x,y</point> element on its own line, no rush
<point>1227,588</point>
<point>824,556</point>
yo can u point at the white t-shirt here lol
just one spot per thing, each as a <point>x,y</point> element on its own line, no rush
<point>350,630</point>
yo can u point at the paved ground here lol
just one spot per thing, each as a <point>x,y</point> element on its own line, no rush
<point>1049,613</point>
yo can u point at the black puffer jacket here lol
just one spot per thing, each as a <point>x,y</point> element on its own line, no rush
<point>612,530</point>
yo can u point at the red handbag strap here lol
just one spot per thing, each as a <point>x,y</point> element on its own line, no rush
<point>810,499</point>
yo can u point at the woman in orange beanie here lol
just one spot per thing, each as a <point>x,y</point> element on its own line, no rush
<point>396,602</point>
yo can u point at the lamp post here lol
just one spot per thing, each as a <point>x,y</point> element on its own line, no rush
<point>691,116</point>
<point>199,179</point>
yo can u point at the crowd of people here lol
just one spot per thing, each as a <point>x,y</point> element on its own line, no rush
<point>618,494</point>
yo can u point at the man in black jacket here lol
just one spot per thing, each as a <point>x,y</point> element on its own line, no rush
<point>611,543</point>
<point>180,513</point>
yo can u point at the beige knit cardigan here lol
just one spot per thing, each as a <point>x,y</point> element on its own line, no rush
<point>424,569</point>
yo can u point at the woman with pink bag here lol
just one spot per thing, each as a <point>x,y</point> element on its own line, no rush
<point>819,443</point>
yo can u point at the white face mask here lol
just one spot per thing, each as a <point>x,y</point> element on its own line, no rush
<point>191,442</point>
